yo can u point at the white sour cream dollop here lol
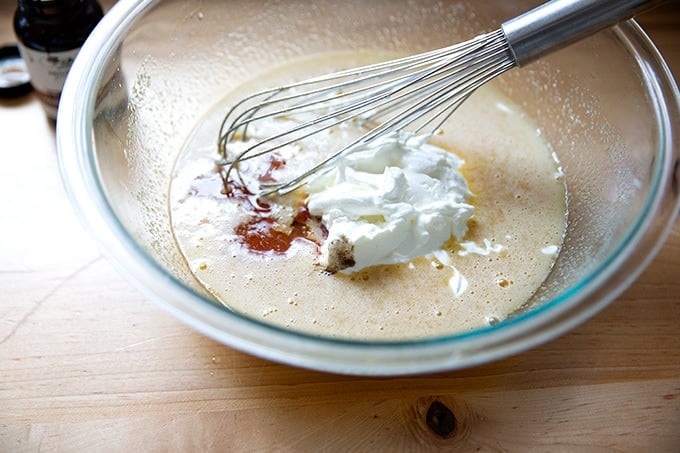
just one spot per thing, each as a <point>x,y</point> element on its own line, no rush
<point>389,202</point>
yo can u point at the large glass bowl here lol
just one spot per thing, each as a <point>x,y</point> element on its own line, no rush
<point>608,106</point>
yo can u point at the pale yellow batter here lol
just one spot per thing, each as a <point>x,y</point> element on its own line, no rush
<point>512,242</point>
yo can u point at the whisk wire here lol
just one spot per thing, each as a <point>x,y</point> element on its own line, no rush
<point>418,93</point>
<point>375,71</point>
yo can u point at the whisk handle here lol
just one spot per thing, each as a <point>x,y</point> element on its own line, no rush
<point>558,23</point>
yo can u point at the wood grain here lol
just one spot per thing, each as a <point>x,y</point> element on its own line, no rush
<point>86,364</point>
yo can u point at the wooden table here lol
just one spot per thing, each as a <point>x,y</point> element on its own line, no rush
<point>87,364</point>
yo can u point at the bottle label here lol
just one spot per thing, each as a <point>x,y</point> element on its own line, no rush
<point>48,72</point>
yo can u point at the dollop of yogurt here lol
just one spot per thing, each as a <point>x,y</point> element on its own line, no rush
<point>390,201</point>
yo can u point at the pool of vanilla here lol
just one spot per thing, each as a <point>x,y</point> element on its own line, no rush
<point>512,241</point>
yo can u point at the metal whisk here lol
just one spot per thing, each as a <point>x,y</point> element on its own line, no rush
<point>417,93</point>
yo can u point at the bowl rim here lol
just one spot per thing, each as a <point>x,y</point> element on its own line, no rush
<point>79,170</point>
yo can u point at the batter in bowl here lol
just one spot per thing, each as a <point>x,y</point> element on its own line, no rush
<point>506,251</point>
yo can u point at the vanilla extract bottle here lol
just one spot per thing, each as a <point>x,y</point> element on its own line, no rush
<point>50,34</point>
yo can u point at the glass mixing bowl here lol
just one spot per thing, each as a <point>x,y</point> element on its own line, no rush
<point>608,106</point>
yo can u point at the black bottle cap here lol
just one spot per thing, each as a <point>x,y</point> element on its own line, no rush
<point>14,77</point>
